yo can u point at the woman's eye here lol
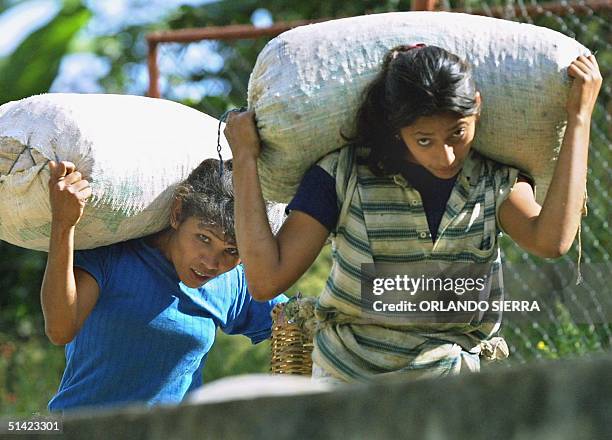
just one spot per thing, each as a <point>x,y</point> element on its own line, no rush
<point>233,252</point>
<point>203,238</point>
<point>459,133</point>
<point>424,142</point>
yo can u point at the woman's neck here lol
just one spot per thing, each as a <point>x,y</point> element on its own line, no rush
<point>415,170</point>
<point>162,241</point>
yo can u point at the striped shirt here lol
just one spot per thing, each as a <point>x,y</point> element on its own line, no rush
<point>382,220</point>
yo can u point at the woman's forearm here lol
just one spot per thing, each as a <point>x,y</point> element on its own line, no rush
<point>562,209</point>
<point>259,250</point>
<point>549,230</point>
<point>272,263</point>
<point>68,194</point>
<point>58,291</point>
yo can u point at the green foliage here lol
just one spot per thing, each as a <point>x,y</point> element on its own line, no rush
<point>313,281</point>
<point>232,12</point>
<point>30,367</point>
<point>22,271</point>
<point>561,339</point>
<point>33,66</point>
<point>29,70</point>
<point>30,371</point>
<point>232,355</point>
<point>127,50</point>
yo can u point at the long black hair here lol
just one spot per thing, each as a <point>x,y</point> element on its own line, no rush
<point>415,81</point>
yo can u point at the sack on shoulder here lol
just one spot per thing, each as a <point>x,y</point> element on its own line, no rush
<point>307,85</point>
<point>133,150</point>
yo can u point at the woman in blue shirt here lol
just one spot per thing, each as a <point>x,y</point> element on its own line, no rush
<point>139,317</point>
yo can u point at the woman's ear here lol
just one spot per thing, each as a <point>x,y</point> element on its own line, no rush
<point>478,99</point>
<point>175,214</point>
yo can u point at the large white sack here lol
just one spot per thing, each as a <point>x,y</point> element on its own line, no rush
<point>308,82</point>
<point>134,150</point>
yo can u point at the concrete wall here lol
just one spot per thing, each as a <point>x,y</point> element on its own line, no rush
<point>569,399</point>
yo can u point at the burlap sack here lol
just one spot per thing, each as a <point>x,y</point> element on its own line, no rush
<point>134,150</point>
<point>308,82</point>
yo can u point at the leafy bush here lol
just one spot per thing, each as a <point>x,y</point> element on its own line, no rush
<point>30,371</point>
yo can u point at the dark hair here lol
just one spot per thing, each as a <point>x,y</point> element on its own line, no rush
<point>414,82</point>
<point>209,196</point>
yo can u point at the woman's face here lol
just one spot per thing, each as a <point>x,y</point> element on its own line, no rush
<point>200,252</point>
<point>440,143</point>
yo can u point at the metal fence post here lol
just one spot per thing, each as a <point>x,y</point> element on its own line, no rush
<point>153,70</point>
<point>423,5</point>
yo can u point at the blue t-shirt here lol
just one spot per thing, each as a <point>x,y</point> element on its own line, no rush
<point>147,337</point>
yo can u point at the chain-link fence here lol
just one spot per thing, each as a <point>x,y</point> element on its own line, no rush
<point>209,69</point>
<point>579,322</point>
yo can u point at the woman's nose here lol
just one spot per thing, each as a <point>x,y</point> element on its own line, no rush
<point>447,156</point>
<point>211,261</point>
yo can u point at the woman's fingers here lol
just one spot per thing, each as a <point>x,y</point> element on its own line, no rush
<point>585,66</point>
<point>82,190</point>
<point>59,170</point>
<point>72,178</point>
<point>579,68</point>
<point>85,194</point>
<point>582,67</point>
<point>80,186</point>
<point>585,88</point>
<point>70,167</point>
<point>242,136</point>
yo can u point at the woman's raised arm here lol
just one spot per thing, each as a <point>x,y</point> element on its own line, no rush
<point>549,230</point>
<point>272,263</point>
<point>67,295</point>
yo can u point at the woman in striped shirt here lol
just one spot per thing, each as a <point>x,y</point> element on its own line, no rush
<point>408,190</point>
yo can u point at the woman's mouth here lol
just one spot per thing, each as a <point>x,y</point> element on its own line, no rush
<point>202,277</point>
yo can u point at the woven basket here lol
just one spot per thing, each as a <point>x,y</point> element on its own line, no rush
<point>291,345</point>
